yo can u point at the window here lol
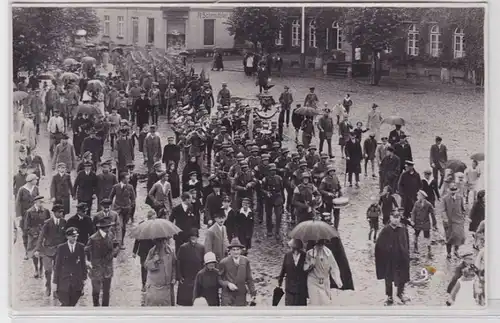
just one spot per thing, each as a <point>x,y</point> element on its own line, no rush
<point>106,26</point>
<point>295,33</point>
<point>135,30</point>
<point>209,32</point>
<point>435,41</point>
<point>279,39</point>
<point>121,26</point>
<point>151,30</point>
<point>312,34</point>
<point>413,40</point>
<point>458,43</point>
<point>336,36</point>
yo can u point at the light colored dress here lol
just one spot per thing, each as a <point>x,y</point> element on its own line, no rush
<point>318,279</point>
<point>374,122</point>
<point>161,273</point>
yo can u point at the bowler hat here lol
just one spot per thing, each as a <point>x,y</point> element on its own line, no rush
<point>194,232</point>
<point>235,243</point>
<point>409,163</point>
<point>106,203</point>
<point>104,222</point>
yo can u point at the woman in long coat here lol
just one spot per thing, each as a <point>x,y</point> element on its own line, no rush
<point>477,211</point>
<point>173,179</point>
<point>206,283</point>
<point>161,265</point>
<point>28,131</point>
<point>354,155</point>
<point>454,220</point>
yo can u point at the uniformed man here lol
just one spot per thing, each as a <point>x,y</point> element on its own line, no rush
<point>312,157</point>
<point>224,96</point>
<point>254,159</point>
<point>320,168</point>
<point>244,185</point>
<point>303,198</point>
<point>290,169</point>
<point>275,152</point>
<point>330,189</point>
<point>261,171</point>
<point>300,150</point>
<point>273,191</point>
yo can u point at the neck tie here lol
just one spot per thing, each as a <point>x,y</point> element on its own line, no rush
<point>57,128</point>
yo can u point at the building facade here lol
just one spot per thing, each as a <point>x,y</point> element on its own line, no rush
<point>192,28</point>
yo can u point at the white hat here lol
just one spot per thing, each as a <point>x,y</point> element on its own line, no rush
<point>423,193</point>
<point>31,177</point>
<point>209,258</point>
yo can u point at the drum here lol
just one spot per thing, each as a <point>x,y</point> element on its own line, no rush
<point>340,202</point>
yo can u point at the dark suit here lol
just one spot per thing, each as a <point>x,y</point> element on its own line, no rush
<point>395,136</point>
<point>124,202</point>
<point>185,221</point>
<point>171,153</point>
<point>100,252</point>
<point>94,145</point>
<point>438,157</point>
<point>431,189</point>
<point>62,189</point>
<point>85,187</point>
<point>70,273</point>
<point>84,225</point>
<point>404,154</point>
<point>141,248</point>
<point>296,280</point>
<point>389,171</point>
<point>105,183</point>
<point>51,236</point>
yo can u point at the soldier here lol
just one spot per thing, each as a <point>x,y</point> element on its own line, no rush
<point>320,168</point>
<point>244,185</point>
<point>312,158</point>
<point>224,96</point>
<point>51,236</point>
<point>61,187</point>
<point>289,171</point>
<point>261,171</point>
<point>105,182</point>
<point>100,250</point>
<point>303,196</point>
<point>275,152</point>
<point>300,150</point>
<point>330,189</point>
<point>273,191</point>
<point>254,159</point>
<point>35,219</point>
<point>70,269</point>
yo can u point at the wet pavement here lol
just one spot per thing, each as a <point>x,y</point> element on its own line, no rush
<point>458,117</point>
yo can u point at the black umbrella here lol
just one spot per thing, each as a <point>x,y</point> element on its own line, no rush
<point>277,295</point>
<point>337,249</point>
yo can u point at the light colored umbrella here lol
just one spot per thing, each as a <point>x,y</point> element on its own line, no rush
<point>314,230</point>
<point>19,95</point>
<point>477,157</point>
<point>69,76</point>
<point>155,229</point>
<point>88,59</point>
<point>394,120</point>
<point>70,61</point>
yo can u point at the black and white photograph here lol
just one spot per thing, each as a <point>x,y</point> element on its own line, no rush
<point>220,155</point>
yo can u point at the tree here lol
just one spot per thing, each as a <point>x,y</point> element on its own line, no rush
<point>41,35</point>
<point>257,25</point>
<point>374,29</point>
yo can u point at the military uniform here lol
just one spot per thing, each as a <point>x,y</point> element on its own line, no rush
<point>244,186</point>
<point>330,189</point>
<point>303,196</point>
<point>273,191</point>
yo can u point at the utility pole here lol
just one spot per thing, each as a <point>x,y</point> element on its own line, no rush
<point>302,40</point>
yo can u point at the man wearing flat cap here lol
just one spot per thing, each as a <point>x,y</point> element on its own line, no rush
<point>189,263</point>
<point>82,222</point>
<point>65,153</point>
<point>311,99</point>
<point>100,250</point>
<point>152,148</point>
<point>389,170</point>
<point>403,151</point>
<point>409,185</point>
<point>70,269</point>
<point>124,151</point>
<point>51,236</point>
<point>33,223</point>
<point>105,182</point>
<point>94,146</point>
<point>438,158</point>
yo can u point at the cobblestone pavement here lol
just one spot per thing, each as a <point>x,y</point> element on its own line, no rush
<point>457,117</point>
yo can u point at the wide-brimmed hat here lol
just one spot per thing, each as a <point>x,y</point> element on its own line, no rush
<point>235,243</point>
<point>209,258</point>
<point>194,232</point>
<point>104,222</point>
<point>409,163</point>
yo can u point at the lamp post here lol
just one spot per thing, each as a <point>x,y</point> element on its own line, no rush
<point>302,40</point>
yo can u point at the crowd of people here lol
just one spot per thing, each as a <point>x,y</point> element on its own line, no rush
<point>230,169</point>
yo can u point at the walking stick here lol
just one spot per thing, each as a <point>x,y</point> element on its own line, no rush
<point>345,174</point>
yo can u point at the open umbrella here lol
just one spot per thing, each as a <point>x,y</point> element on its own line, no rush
<point>69,76</point>
<point>183,53</point>
<point>394,120</point>
<point>456,165</point>
<point>92,85</point>
<point>308,111</point>
<point>69,61</point>
<point>155,229</point>
<point>19,95</point>
<point>88,59</point>
<point>477,157</point>
<point>87,109</point>
<point>46,76</point>
<point>314,230</point>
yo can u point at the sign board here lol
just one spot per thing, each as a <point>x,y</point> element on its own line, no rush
<point>213,15</point>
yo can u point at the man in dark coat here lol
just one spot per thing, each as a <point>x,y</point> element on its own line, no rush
<point>189,263</point>
<point>392,258</point>
<point>105,182</point>
<point>182,215</point>
<point>296,277</point>
<point>82,222</point>
<point>409,185</point>
<point>152,148</point>
<point>20,178</point>
<point>94,145</point>
<point>141,248</point>
<point>171,152</point>
<point>51,236</point>
<point>403,151</point>
<point>213,204</point>
<point>141,105</point>
<point>61,188</point>
<point>438,158</point>
<point>124,151</point>
<point>101,248</point>
<point>262,77</point>
<point>389,170</point>
<point>85,187</point>
<point>70,269</point>
<point>123,197</point>
<point>354,155</point>
<point>395,135</point>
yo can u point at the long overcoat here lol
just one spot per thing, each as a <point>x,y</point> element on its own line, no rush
<point>392,258</point>
<point>64,153</point>
<point>454,220</point>
<point>189,263</point>
<point>355,154</point>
